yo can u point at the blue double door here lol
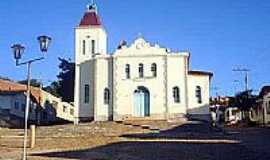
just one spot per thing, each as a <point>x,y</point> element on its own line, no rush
<point>141,102</point>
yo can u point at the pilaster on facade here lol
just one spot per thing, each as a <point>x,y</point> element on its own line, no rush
<point>166,86</point>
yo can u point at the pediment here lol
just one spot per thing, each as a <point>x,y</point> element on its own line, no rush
<point>140,47</point>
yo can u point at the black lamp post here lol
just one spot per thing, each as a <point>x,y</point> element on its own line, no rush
<point>18,50</point>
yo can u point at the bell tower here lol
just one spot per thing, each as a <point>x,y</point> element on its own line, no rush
<point>90,36</point>
<point>90,42</point>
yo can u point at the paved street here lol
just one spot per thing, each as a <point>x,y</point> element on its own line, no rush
<point>141,140</point>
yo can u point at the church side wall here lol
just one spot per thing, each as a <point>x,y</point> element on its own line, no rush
<point>198,110</point>
<point>85,111</point>
<point>103,81</point>
<point>124,88</point>
<point>176,78</point>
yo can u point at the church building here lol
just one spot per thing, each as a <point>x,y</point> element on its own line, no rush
<point>138,81</point>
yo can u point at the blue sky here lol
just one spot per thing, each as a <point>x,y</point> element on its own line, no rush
<point>220,34</point>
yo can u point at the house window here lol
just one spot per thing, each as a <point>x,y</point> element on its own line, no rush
<point>16,105</point>
<point>86,93</point>
<point>71,111</point>
<point>93,44</point>
<point>83,47</point>
<point>141,70</point>
<point>176,94</point>
<point>65,109</point>
<point>198,93</point>
<point>45,115</point>
<point>154,69</point>
<point>23,107</point>
<point>106,96</point>
<point>127,70</point>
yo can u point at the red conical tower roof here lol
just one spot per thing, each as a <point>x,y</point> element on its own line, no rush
<point>90,17</point>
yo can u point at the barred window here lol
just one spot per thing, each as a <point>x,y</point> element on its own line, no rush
<point>127,70</point>
<point>176,94</point>
<point>198,93</point>
<point>141,70</point>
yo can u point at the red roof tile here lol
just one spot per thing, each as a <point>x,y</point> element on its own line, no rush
<point>90,19</point>
<point>9,86</point>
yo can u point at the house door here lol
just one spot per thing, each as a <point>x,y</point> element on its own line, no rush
<point>141,102</point>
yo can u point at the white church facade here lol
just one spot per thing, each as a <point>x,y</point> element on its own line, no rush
<point>137,81</point>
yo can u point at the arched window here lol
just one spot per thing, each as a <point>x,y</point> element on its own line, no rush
<point>154,69</point>
<point>127,70</point>
<point>106,96</point>
<point>198,93</point>
<point>141,70</point>
<point>83,47</point>
<point>176,94</point>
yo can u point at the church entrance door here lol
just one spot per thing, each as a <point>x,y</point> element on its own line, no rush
<point>141,102</point>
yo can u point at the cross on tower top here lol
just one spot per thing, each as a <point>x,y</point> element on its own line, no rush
<point>92,7</point>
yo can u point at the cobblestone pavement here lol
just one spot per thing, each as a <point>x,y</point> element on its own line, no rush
<point>140,140</point>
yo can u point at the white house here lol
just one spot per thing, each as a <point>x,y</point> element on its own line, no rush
<point>137,81</point>
<point>44,107</point>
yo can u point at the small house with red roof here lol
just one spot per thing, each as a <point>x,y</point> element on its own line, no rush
<point>44,107</point>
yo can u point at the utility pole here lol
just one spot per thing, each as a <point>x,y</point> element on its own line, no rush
<point>246,71</point>
<point>215,89</point>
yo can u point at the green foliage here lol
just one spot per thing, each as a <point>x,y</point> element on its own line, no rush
<point>53,88</point>
<point>66,78</point>
<point>244,100</point>
<point>64,86</point>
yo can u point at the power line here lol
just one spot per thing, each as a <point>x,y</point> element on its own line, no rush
<point>246,71</point>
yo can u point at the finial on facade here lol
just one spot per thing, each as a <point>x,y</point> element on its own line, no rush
<point>121,44</point>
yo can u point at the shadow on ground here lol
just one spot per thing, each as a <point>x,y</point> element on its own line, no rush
<point>164,150</point>
<point>198,130</point>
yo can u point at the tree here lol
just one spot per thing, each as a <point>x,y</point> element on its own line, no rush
<point>53,88</point>
<point>244,100</point>
<point>66,78</point>
<point>64,86</point>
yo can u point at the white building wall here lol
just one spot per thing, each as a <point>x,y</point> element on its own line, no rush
<point>176,78</point>
<point>124,92</point>
<point>194,107</point>
<point>103,80</point>
<point>57,110</point>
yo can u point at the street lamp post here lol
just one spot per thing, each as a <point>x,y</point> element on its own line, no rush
<point>18,50</point>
